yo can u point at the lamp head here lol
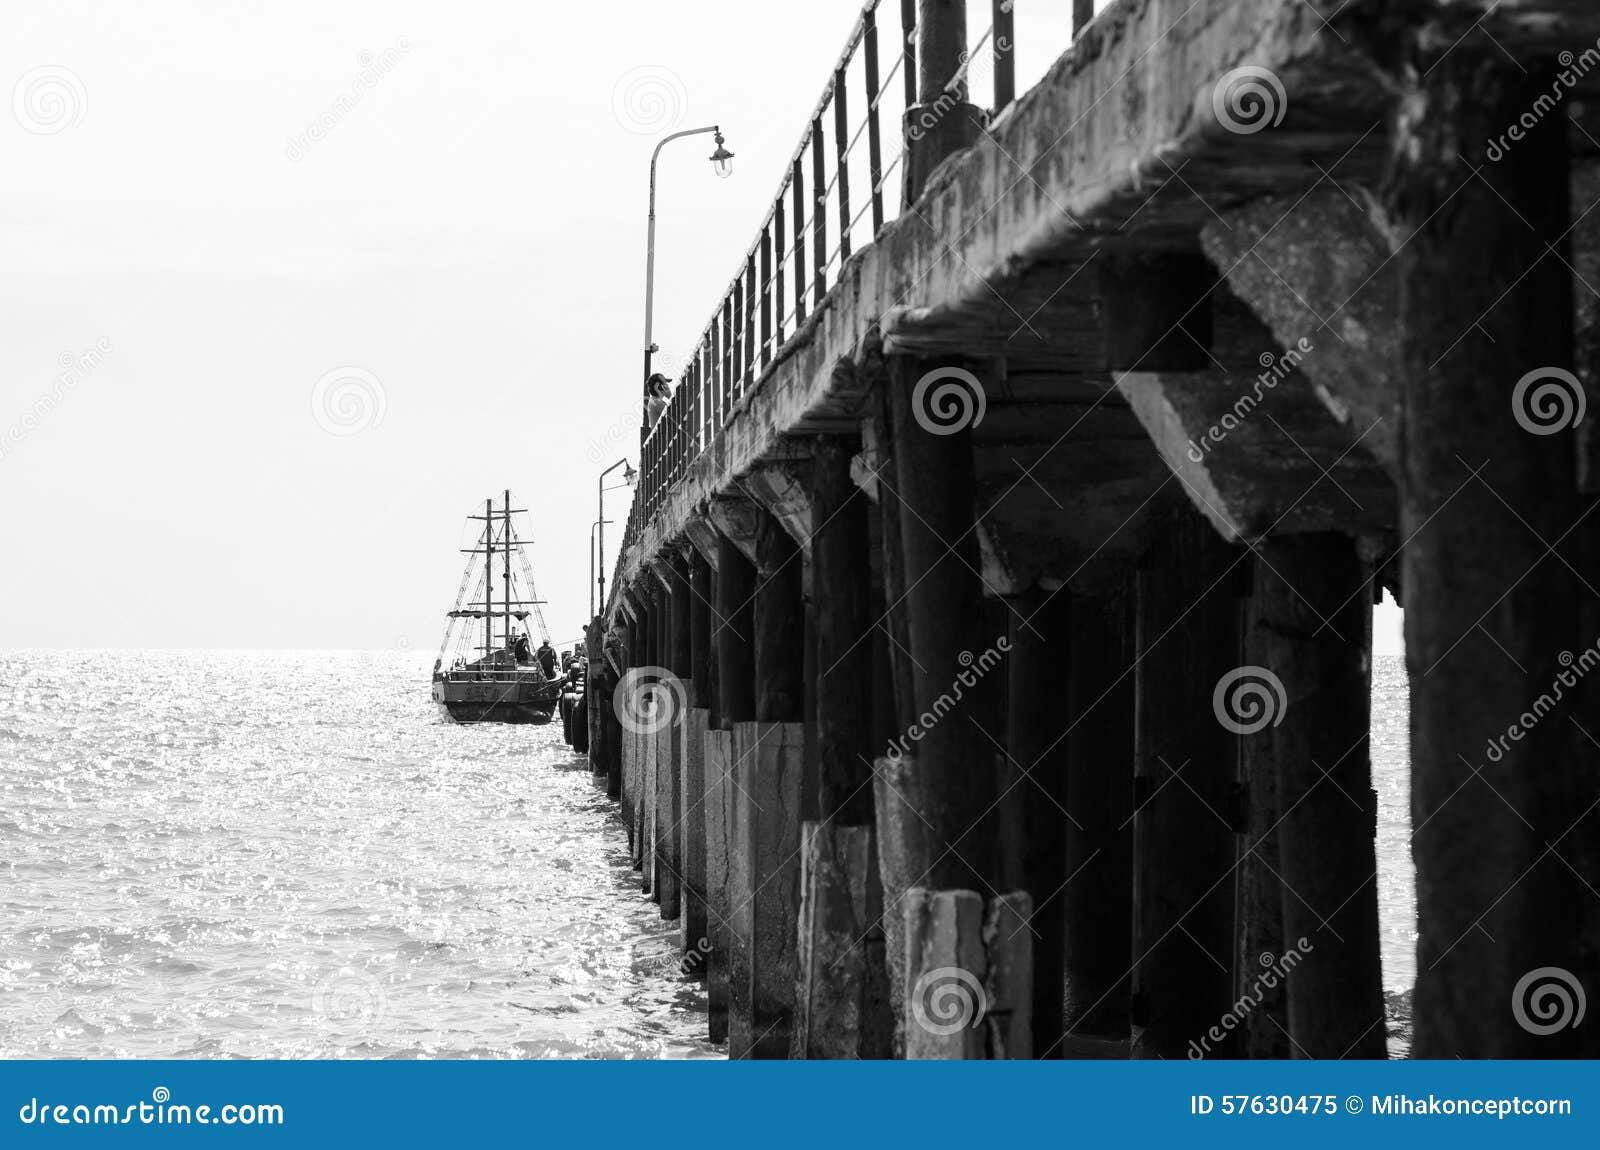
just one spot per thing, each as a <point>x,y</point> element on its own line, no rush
<point>629,475</point>
<point>722,159</point>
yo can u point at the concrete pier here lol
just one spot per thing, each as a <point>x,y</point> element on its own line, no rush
<point>1014,550</point>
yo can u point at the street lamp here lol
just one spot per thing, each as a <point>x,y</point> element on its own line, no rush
<point>597,523</point>
<point>722,162</point>
<point>629,475</point>
<point>722,159</point>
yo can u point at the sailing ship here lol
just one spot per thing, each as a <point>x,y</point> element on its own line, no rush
<point>487,670</point>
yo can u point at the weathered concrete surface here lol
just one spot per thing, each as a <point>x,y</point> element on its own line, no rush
<point>945,966</point>
<point>626,750</point>
<point>648,796</point>
<point>741,887</point>
<point>841,992</point>
<point>1255,457</point>
<point>1315,267</point>
<point>736,516</point>
<point>896,826</point>
<point>719,765</point>
<point>694,928</point>
<point>781,489</point>
<point>767,817</point>
<point>969,974</point>
<point>668,886</point>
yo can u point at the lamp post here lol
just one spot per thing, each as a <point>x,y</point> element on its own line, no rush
<point>722,161</point>
<point>628,477</point>
<point>592,579</point>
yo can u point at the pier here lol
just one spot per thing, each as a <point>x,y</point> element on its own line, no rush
<point>986,668</point>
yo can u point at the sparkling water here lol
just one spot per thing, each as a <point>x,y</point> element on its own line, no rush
<point>292,854</point>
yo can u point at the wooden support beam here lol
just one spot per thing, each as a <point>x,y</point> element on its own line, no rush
<point>719,910</point>
<point>1036,741</point>
<point>842,1009</point>
<point>842,571</point>
<point>613,735</point>
<point>1268,952</point>
<point>697,807</point>
<point>650,737</point>
<point>733,635</point>
<point>1100,773</point>
<point>1501,795</point>
<point>672,832</point>
<point>733,638</point>
<point>1309,627</point>
<point>937,833</point>
<point>892,620</point>
<point>954,779</point>
<point>702,645</point>
<point>633,780</point>
<point>779,618</point>
<point>594,645</point>
<point>764,828</point>
<point>1184,853</point>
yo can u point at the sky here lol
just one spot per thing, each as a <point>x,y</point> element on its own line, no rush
<point>289,287</point>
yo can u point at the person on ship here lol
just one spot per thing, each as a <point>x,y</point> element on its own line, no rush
<point>521,651</point>
<point>547,659</point>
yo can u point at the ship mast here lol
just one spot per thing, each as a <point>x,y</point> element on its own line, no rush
<point>488,577</point>
<point>506,539</point>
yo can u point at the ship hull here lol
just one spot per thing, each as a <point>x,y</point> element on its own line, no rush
<point>526,700</point>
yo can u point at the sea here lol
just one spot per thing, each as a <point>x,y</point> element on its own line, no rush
<point>270,854</point>
<point>209,854</point>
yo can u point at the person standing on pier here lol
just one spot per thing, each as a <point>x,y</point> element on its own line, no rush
<point>657,392</point>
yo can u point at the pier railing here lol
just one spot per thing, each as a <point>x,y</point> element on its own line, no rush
<point>842,184</point>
